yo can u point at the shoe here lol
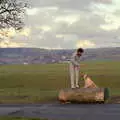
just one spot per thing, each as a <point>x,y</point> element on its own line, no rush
<point>73,87</point>
<point>77,86</point>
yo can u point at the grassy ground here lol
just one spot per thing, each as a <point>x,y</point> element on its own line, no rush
<point>41,83</point>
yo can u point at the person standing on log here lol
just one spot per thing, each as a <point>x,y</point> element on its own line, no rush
<point>75,67</point>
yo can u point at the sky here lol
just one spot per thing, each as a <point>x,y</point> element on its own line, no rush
<point>68,24</point>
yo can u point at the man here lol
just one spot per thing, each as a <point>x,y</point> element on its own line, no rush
<point>75,68</point>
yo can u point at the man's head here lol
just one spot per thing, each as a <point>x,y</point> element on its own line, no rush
<point>80,51</point>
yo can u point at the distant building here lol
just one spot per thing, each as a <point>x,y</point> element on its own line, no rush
<point>25,63</point>
<point>63,57</point>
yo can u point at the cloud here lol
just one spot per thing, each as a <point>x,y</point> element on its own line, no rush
<point>7,32</point>
<point>59,36</point>
<point>25,32</point>
<point>69,4</point>
<point>69,24</point>
<point>49,8</point>
<point>85,44</point>
<point>70,19</point>
<point>63,22</point>
<point>104,1</point>
<point>112,23</point>
<point>8,43</point>
<point>67,37</point>
<point>102,9</point>
<point>107,12</point>
<point>11,38</point>
<point>110,27</point>
<point>32,11</point>
<point>44,28</point>
<point>11,32</point>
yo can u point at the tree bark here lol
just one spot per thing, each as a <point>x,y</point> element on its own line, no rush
<point>84,95</point>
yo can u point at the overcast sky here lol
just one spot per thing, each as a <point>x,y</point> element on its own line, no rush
<point>66,24</point>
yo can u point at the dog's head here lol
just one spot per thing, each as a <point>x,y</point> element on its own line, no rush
<point>84,76</point>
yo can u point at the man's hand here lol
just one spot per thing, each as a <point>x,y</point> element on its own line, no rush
<point>77,66</point>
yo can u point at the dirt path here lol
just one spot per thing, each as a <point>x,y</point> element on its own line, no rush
<point>57,111</point>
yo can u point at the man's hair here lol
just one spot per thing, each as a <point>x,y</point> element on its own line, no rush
<point>80,50</point>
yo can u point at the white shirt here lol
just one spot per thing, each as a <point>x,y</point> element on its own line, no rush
<point>75,59</point>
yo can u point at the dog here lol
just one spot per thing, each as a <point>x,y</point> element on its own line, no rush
<point>88,83</point>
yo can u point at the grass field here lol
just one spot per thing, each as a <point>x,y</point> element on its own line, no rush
<point>41,83</point>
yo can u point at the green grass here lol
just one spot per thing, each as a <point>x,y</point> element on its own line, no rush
<point>41,83</point>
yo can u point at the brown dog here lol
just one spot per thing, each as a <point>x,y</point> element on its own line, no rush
<point>88,82</point>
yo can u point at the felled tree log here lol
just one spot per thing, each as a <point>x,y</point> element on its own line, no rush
<point>84,95</point>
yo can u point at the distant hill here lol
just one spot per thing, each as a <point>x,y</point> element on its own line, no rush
<point>36,55</point>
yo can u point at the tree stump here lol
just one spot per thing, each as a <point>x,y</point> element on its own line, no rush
<point>84,95</point>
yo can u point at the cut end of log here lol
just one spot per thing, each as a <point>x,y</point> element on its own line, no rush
<point>84,95</point>
<point>61,96</point>
<point>106,94</point>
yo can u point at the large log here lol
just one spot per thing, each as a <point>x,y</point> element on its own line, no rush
<point>84,95</point>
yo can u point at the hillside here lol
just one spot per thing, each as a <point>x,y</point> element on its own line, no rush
<point>36,55</point>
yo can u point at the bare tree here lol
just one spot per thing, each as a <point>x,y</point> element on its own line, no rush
<point>12,13</point>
